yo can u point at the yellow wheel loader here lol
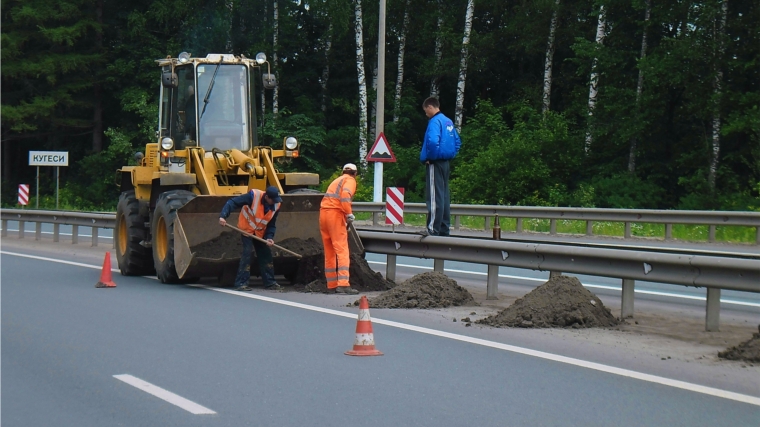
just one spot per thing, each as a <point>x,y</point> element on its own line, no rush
<point>206,151</point>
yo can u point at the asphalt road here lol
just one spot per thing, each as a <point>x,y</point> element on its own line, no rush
<point>261,359</point>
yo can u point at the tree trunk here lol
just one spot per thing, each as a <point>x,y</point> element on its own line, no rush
<point>717,84</point>
<point>435,82</point>
<point>275,34</point>
<point>548,63</point>
<point>326,69</point>
<point>400,63</point>
<point>228,46</point>
<point>97,116</point>
<point>594,80</point>
<point>359,35</point>
<point>373,105</point>
<point>463,64</point>
<point>640,85</point>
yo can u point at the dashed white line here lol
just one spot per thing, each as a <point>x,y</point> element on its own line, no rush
<point>165,395</point>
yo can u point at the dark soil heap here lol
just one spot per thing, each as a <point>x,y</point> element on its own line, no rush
<point>748,350</point>
<point>561,302</point>
<point>426,290</point>
<point>225,246</point>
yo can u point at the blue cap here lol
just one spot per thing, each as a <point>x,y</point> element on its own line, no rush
<point>274,194</point>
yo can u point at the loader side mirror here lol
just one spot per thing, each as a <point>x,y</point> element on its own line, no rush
<point>269,81</point>
<point>169,79</point>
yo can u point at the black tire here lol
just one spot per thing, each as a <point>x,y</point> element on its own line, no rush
<point>162,233</point>
<point>134,259</point>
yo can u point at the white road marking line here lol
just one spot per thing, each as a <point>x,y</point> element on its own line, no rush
<point>752,400</point>
<point>612,288</point>
<point>60,261</point>
<point>165,395</point>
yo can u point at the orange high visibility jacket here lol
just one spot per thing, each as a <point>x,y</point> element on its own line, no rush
<point>339,194</point>
<point>252,218</point>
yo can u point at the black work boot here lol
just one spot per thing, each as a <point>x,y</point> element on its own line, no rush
<point>347,290</point>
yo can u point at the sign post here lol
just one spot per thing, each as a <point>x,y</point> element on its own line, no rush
<point>49,158</point>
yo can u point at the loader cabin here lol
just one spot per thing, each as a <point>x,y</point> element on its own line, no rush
<point>208,102</point>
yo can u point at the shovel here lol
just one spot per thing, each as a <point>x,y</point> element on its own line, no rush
<point>262,240</point>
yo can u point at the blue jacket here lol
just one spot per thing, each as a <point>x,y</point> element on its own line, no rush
<point>246,200</point>
<point>441,140</point>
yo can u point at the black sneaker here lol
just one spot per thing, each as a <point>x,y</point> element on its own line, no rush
<point>346,290</point>
<point>423,232</point>
<point>273,287</point>
<point>242,289</point>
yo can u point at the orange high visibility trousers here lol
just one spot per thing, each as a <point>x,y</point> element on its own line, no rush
<point>332,226</point>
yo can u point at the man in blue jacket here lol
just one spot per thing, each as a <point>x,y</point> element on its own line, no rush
<point>441,144</point>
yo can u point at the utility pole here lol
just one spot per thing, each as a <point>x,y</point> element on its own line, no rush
<point>380,116</point>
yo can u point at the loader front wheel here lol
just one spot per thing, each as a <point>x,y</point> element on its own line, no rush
<point>162,230</point>
<point>134,259</point>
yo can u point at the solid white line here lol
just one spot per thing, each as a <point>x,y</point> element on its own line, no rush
<point>612,288</point>
<point>752,400</point>
<point>60,261</point>
<point>166,395</point>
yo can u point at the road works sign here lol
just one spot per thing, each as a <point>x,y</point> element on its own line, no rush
<point>48,158</point>
<point>381,151</point>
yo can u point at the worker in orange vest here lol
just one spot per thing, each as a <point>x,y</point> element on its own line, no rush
<point>334,215</point>
<point>258,216</point>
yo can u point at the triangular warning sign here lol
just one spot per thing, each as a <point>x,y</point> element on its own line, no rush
<point>381,151</point>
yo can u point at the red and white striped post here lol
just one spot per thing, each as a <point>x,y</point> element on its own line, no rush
<point>394,205</point>
<point>23,194</point>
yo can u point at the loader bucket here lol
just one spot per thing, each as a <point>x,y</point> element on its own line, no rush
<point>203,248</point>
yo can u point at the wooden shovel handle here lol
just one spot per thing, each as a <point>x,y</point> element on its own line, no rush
<point>262,240</point>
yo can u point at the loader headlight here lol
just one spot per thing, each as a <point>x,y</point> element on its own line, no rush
<point>291,143</point>
<point>167,143</point>
<point>261,58</point>
<point>184,57</point>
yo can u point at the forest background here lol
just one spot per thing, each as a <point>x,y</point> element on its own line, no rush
<point>607,103</point>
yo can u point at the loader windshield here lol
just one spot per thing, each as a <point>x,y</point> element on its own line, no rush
<point>225,122</point>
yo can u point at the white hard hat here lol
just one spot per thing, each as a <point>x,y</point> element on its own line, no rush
<point>349,167</point>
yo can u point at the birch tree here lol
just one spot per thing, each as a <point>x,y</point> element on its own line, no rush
<point>640,84</point>
<point>434,82</point>
<point>548,62</point>
<point>326,68</point>
<point>400,63</point>
<point>373,106</point>
<point>594,80</point>
<point>463,64</point>
<point>359,35</point>
<point>717,83</point>
<point>275,34</point>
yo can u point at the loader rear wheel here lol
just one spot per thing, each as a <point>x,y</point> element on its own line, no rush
<point>162,230</point>
<point>134,259</point>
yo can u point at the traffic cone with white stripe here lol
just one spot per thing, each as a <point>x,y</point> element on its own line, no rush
<point>105,275</point>
<point>364,344</point>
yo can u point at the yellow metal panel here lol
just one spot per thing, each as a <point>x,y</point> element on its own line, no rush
<point>151,155</point>
<point>301,178</point>
<point>142,175</point>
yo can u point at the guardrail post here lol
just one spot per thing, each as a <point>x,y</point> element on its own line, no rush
<point>712,318</point>
<point>56,232</point>
<point>554,274</point>
<point>552,226</point>
<point>487,224</point>
<point>589,228</point>
<point>626,302</point>
<point>668,231</point>
<point>390,268</point>
<point>5,228</point>
<point>438,265</point>
<point>519,227</point>
<point>757,235</point>
<point>711,234</point>
<point>94,236</point>
<point>37,230</point>
<point>21,229</point>
<point>627,234</point>
<point>492,284</point>
<point>458,223</point>
<point>74,234</point>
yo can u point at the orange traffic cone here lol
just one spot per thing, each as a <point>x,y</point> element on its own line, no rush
<point>364,344</point>
<point>105,274</point>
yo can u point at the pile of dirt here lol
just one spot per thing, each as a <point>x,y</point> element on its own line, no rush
<point>311,275</point>
<point>748,351</point>
<point>426,290</point>
<point>561,302</point>
<point>225,246</point>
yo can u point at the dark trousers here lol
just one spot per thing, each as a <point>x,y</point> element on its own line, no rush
<point>437,197</point>
<point>264,256</point>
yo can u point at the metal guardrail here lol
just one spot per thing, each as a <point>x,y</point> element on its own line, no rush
<point>712,219</point>
<point>713,271</point>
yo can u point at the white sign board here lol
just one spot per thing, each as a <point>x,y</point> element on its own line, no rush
<point>48,158</point>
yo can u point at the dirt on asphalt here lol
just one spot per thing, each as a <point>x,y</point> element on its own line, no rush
<point>426,290</point>
<point>748,351</point>
<point>562,302</point>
